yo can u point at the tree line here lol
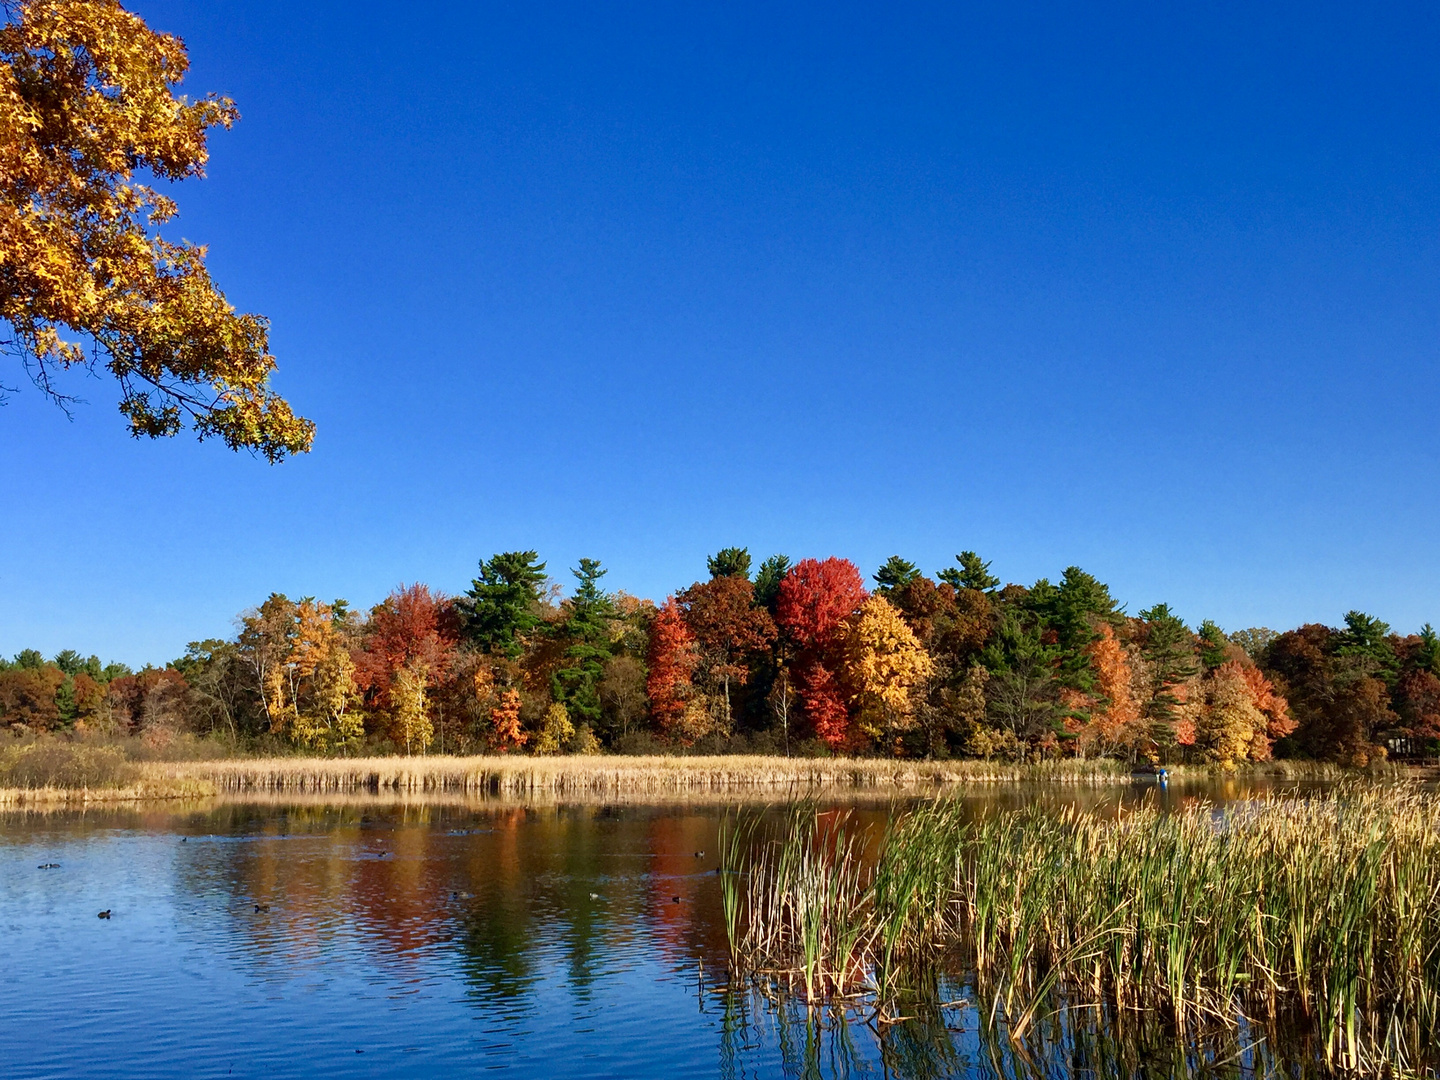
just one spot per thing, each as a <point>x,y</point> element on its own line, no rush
<point>792,658</point>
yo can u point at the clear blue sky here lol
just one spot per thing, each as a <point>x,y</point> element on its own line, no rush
<point>1147,288</point>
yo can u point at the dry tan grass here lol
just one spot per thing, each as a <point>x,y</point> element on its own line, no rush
<point>149,786</point>
<point>617,775</point>
<point>632,778</point>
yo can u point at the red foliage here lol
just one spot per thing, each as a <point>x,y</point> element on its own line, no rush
<point>824,704</point>
<point>1420,704</point>
<point>27,696</point>
<point>672,659</point>
<point>816,597</point>
<point>89,696</point>
<point>728,628</point>
<point>412,626</point>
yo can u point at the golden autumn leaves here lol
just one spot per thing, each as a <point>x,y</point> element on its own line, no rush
<point>86,101</point>
<point>300,656</point>
<point>884,663</point>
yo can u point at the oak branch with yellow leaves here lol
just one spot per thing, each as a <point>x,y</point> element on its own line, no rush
<point>87,103</point>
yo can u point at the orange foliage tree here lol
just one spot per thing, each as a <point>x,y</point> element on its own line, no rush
<point>1115,716</point>
<point>1241,715</point>
<point>506,734</point>
<point>672,658</point>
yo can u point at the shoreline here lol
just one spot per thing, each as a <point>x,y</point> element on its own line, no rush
<point>576,776</point>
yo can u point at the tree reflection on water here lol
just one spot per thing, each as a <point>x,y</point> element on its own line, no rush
<point>569,910</point>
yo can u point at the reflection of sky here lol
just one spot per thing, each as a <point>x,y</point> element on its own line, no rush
<point>423,949</point>
<point>403,943</point>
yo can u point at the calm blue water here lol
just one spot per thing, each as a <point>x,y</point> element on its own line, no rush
<point>432,941</point>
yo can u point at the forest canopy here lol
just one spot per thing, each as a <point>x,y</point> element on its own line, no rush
<point>806,657</point>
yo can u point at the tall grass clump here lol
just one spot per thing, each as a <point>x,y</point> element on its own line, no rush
<point>64,765</point>
<point>1319,912</point>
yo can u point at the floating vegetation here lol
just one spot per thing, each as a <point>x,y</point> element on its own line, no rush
<point>1320,914</point>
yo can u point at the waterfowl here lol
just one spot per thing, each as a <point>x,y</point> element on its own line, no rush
<point>49,866</point>
<point>699,854</point>
<point>262,907</point>
<point>104,914</point>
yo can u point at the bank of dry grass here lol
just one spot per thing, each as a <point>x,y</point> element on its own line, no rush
<point>141,790</point>
<point>53,771</point>
<point>57,770</point>
<point>623,775</point>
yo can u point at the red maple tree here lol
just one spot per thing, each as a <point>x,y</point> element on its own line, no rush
<point>728,629</point>
<point>412,627</point>
<point>816,599</point>
<point>672,658</point>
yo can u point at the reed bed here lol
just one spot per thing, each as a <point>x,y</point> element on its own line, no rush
<point>143,789</point>
<point>53,771</point>
<point>1320,912</point>
<point>604,775</point>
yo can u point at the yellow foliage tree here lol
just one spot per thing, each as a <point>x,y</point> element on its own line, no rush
<point>302,666</point>
<point>322,676</point>
<point>884,662</point>
<point>409,709</point>
<point>1230,723</point>
<point>702,716</point>
<point>86,101</point>
<point>555,731</point>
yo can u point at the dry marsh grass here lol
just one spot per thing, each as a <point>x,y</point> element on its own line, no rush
<point>58,770</point>
<point>622,775</point>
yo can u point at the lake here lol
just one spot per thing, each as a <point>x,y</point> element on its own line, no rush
<point>365,938</point>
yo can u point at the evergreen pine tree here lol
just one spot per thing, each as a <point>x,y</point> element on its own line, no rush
<point>895,574</point>
<point>500,606</point>
<point>589,615</point>
<point>974,573</point>
<point>767,580</point>
<point>729,562</point>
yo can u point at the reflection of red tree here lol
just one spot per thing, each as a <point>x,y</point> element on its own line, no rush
<point>400,895</point>
<point>498,863</point>
<point>402,885</point>
<point>694,926</point>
